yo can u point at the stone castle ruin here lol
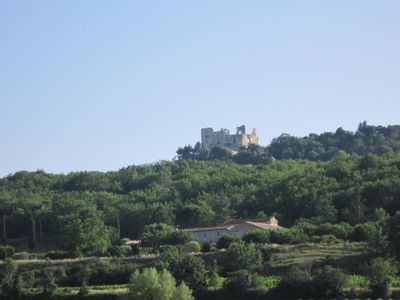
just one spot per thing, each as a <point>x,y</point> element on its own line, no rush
<point>211,138</point>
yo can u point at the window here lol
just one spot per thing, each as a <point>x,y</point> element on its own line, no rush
<point>205,234</point>
<point>219,233</point>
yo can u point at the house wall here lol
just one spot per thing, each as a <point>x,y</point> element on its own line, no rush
<point>242,229</point>
<point>211,236</point>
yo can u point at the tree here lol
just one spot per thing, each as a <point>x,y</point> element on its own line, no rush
<point>241,280</point>
<point>169,258</point>
<point>49,285</point>
<point>227,239</point>
<point>11,286</point>
<point>221,153</point>
<point>84,273</point>
<point>84,232</point>
<point>155,234</point>
<point>152,285</point>
<point>258,236</point>
<point>381,272</point>
<point>242,256</point>
<point>329,282</point>
<point>394,233</point>
<point>191,269</point>
<point>188,152</point>
<point>199,214</point>
<point>7,204</point>
<point>182,292</point>
<point>295,283</point>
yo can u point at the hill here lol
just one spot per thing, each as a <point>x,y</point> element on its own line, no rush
<point>367,139</point>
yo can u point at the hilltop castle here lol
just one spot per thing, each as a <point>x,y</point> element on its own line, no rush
<point>211,138</point>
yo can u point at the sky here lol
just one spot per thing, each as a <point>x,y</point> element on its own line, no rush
<point>100,85</point>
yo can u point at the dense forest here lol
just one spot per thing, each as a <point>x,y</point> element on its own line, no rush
<point>338,186</point>
<point>199,193</point>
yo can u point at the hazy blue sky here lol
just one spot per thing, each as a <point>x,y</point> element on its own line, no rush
<point>99,85</point>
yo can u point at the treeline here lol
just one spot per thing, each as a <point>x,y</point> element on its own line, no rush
<point>86,211</point>
<point>367,139</point>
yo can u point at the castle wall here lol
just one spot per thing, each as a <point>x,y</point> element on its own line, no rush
<point>211,138</point>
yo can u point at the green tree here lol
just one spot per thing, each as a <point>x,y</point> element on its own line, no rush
<point>381,272</point>
<point>182,292</point>
<point>394,234</point>
<point>11,285</point>
<point>48,283</point>
<point>155,234</point>
<point>84,232</point>
<point>199,214</point>
<point>152,285</point>
<point>329,282</point>
<point>7,206</point>
<point>191,269</point>
<point>227,239</point>
<point>258,236</point>
<point>84,273</point>
<point>220,153</point>
<point>295,283</point>
<point>242,256</point>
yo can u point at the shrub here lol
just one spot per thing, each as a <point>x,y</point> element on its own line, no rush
<point>327,239</point>
<point>271,281</point>
<point>341,231</point>
<point>120,251</point>
<point>147,251</point>
<point>363,232</point>
<point>357,281</point>
<point>214,281</point>
<point>306,227</point>
<point>135,249</point>
<point>6,252</point>
<point>225,240</point>
<point>329,282</point>
<point>206,247</point>
<point>155,234</point>
<point>59,254</point>
<point>83,291</point>
<point>178,238</point>
<point>266,251</point>
<point>213,247</point>
<point>396,281</point>
<point>192,246</point>
<point>21,256</point>
<point>258,236</point>
<point>241,280</point>
<point>295,283</point>
<point>288,236</point>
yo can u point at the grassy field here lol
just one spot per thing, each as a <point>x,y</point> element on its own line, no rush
<point>308,254</point>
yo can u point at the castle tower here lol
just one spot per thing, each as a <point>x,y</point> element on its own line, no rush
<point>211,138</point>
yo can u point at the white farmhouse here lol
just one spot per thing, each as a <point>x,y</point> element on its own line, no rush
<point>240,228</point>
